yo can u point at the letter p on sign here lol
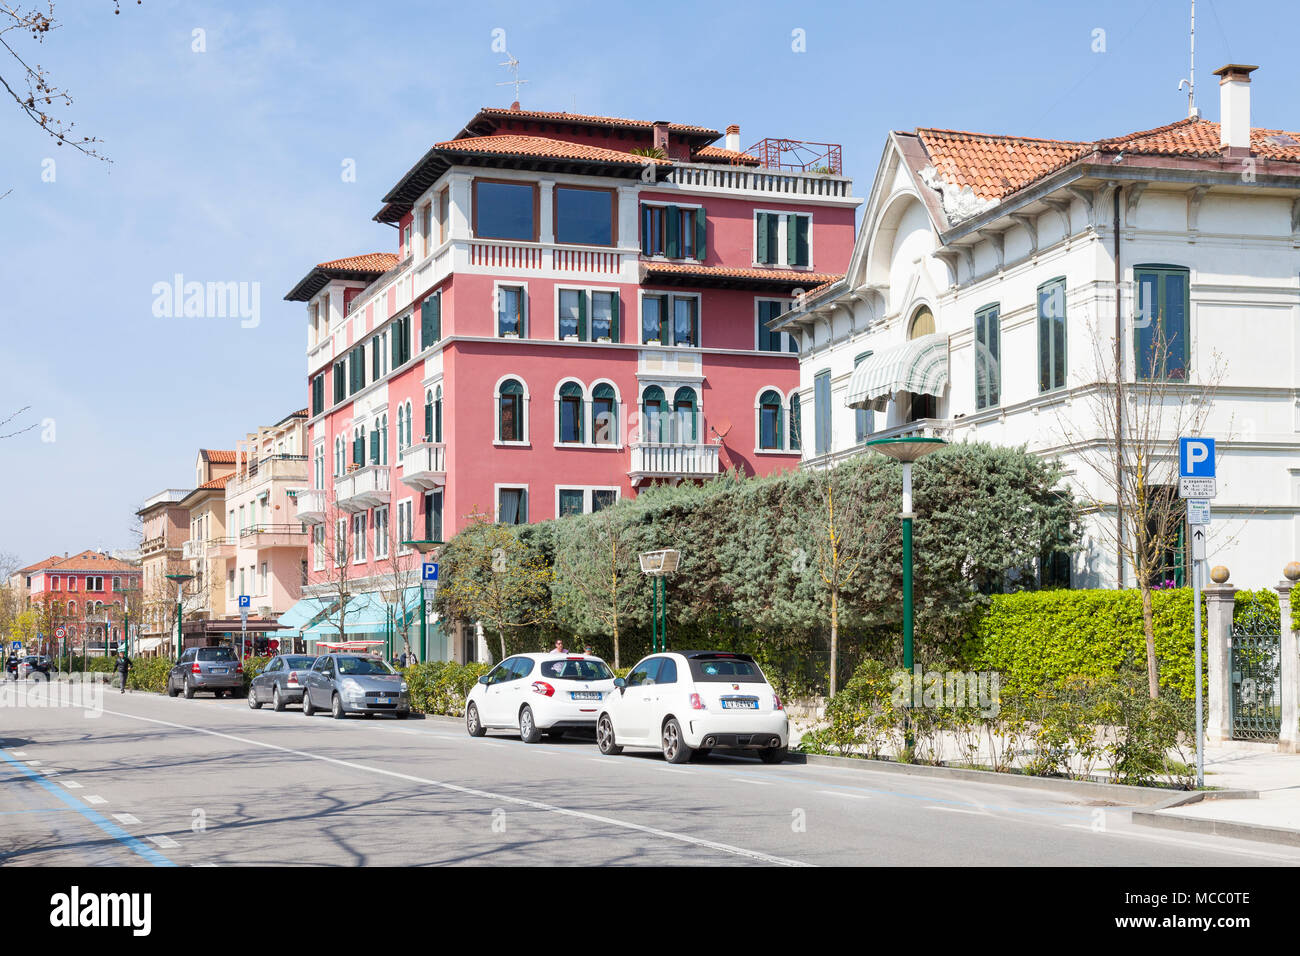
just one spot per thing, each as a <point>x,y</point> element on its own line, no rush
<point>1196,457</point>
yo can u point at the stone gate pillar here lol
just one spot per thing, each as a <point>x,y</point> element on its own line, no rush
<point>1288,737</point>
<point>1219,598</point>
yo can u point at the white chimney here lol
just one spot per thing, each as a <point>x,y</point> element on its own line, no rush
<point>1234,106</point>
<point>733,138</point>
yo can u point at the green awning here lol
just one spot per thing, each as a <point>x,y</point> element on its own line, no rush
<point>919,367</point>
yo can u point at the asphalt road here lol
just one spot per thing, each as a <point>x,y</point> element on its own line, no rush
<point>159,781</point>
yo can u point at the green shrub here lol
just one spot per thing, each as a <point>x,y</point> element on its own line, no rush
<point>440,687</point>
<point>252,667</point>
<point>149,674</point>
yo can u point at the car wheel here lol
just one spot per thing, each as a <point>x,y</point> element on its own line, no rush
<point>528,731</point>
<point>307,707</point>
<point>473,725</point>
<point>171,688</point>
<point>675,749</point>
<point>336,708</point>
<point>189,689</point>
<point>277,702</point>
<point>772,754</point>
<point>253,702</point>
<point>605,737</point>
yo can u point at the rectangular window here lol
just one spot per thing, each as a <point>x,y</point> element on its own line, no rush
<point>1160,326</point>
<point>241,582</point>
<point>571,502</point>
<point>604,316</point>
<point>1051,335</point>
<point>505,210</point>
<point>602,498</point>
<point>585,217</point>
<point>340,545</point>
<point>406,240</point>
<point>769,341</point>
<point>340,383</point>
<point>431,320</point>
<point>318,547</point>
<point>261,589</point>
<point>510,311</point>
<point>686,320</point>
<point>673,232</point>
<point>572,307</point>
<point>401,343</point>
<point>782,239</point>
<point>444,210</point>
<point>988,353</point>
<point>426,229</point>
<point>359,536</point>
<point>571,418</point>
<point>822,412</point>
<point>864,418</point>
<point>433,516</point>
<point>381,532</point>
<point>654,328</point>
<point>512,506</point>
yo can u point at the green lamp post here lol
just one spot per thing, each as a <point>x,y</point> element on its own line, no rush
<point>180,580</point>
<point>656,565</point>
<point>907,450</point>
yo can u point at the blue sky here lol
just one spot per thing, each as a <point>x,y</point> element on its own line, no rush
<point>226,168</point>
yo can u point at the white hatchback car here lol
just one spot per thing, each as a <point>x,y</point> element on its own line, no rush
<point>539,693</point>
<point>685,702</point>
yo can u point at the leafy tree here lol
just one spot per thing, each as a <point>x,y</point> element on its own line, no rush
<point>596,573</point>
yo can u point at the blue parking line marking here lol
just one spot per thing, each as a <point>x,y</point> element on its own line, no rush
<point>112,829</point>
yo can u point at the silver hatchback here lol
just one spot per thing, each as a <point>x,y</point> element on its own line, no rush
<point>354,684</point>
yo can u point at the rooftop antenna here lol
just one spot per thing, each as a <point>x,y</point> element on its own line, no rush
<point>1192,111</point>
<point>512,64</point>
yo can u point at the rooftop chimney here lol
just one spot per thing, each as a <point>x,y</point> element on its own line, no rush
<point>733,138</point>
<point>661,135</point>
<point>1234,106</point>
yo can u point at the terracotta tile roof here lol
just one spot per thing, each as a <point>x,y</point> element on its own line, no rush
<point>51,560</point>
<point>997,166</point>
<point>714,154</point>
<point>515,145</point>
<point>782,276</point>
<point>376,262</point>
<point>217,482</point>
<point>94,562</point>
<point>218,457</point>
<point>612,121</point>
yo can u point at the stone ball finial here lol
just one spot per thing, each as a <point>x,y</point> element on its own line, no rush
<point>1292,571</point>
<point>1219,574</point>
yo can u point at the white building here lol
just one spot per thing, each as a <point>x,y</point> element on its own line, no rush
<point>980,303</point>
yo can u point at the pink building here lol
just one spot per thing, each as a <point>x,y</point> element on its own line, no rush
<point>565,321</point>
<point>89,596</point>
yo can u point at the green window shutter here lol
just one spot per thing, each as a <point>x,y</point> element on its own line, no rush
<point>613,317</point>
<point>430,321</point>
<point>701,234</point>
<point>374,448</point>
<point>801,257</point>
<point>647,236</point>
<point>672,227</point>
<point>395,347</point>
<point>791,240</point>
<point>375,359</point>
<point>666,320</point>
<point>761,233</point>
<point>357,451</point>
<point>428,421</point>
<point>523,506</point>
<point>582,316</point>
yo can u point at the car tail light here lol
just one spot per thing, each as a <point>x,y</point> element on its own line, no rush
<point>293,677</point>
<point>696,703</point>
<point>194,668</point>
<point>239,668</point>
<point>776,702</point>
<point>541,687</point>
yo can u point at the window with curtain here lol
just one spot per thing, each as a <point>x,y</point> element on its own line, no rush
<point>570,411</point>
<point>769,421</point>
<point>653,423</point>
<point>1160,325</point>
<point>685,415</point>
<point>510,413</point>
<point>512,506</point>
<point>673,232</point>
<point>988,348</point>
<point>653,327</point>
<point>1051,335</point>
<point>604,415</point>
<point>686,320</point>
<point>604,316</point>
<point>571,314</point>
<point>510,311</point>
<point>433,516</point>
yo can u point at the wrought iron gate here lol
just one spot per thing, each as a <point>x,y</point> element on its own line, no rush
<point>1256,704</point>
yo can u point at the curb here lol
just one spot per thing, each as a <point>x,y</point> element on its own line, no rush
<point>1151,817</point>
<point>1119,793</point>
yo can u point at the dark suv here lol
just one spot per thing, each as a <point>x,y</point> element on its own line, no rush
<point>206,668</point>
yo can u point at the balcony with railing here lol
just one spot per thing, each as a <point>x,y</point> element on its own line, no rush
<point>270,468</point>
<point>366,487</point>
<point>265,537</point>
<point>785,183</point>
<point>424,465</point>
<point>309,505</point>
<point>151,546</point>
<point>193,549</point>
<point>221,548</point>
<point>673,460</point>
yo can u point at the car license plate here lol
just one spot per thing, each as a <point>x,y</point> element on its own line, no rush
<point>739,703</point>
<point>585,694</point>
<point>218,670</point>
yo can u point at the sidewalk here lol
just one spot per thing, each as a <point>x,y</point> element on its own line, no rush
<point>1273,816</point>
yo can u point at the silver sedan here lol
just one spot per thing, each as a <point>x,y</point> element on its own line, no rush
<point>354,684</point>
<point>280,681</point>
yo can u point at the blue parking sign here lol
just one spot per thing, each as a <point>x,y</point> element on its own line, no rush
<point>1196,457</point>
<point>245,600</point>
<point>429,571</point>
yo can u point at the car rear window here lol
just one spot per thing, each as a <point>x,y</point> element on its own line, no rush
<point>360,666</point>
<point>726,669</point>
<point>216,654</point>
<point>296,662</point>
<point>576,670</point>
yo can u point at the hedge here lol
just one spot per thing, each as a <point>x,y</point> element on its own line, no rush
<point>440,687</point>
<point>1039,638</point>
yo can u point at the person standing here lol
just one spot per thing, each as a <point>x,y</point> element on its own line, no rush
<point>123,666</point>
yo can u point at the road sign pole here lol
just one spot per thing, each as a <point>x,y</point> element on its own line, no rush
<point>1196,624</point>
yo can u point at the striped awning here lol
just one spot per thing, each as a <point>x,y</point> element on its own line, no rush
<point>919,366</point>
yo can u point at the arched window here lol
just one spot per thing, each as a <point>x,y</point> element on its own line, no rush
<point>796,422</point>
<point>922,323</point>
<point>428,414</point>
<point>604,415</point>
<point>686,415</point>
<point>437,415</point>
<point>510,411</point>
<point>72,608</point>
<point>654,423</point>
<point>570,413</point>
<point>410,423</point>
<point>769,421</point>
<point>401,427</point>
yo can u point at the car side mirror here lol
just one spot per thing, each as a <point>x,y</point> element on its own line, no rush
<point>483,679</point>
<point>620,683</point>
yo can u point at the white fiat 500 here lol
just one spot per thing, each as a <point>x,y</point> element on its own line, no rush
<point>537,694</point>
<point>685,702</point>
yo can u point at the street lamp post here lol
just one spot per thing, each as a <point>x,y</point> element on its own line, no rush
<point>180,580</point>
<point>907,450</point>
<point>655,565</point>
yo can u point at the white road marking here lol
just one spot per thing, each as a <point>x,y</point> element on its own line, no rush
<point>673,770</point>
<point>71,784</point>
<point>129,819</point>
<point>19,753</point>
<point>957,810</point>
<point>164,841</point>
<point>33,763</point>
<point>486,794</point>
<point>95,799</point>
<point>757,783</point>
<point>841,793</point>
